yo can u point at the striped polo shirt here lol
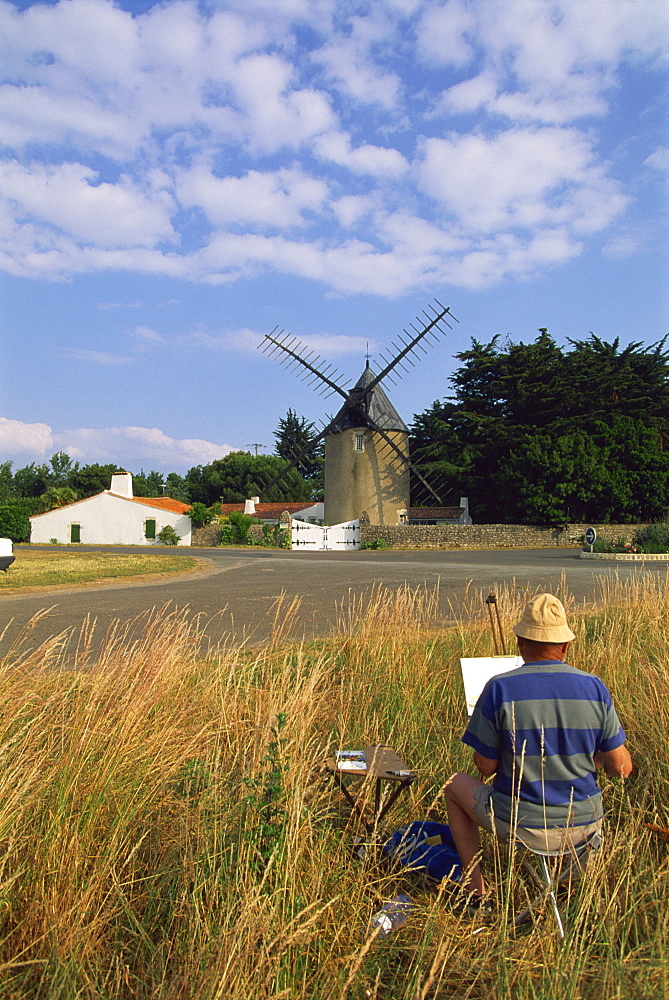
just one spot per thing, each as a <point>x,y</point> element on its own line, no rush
<point>544,722</point>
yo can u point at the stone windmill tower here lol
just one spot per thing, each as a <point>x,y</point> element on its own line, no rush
<point>367,464</point>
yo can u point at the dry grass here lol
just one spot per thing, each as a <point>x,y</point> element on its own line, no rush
<point>133,810</point>
<point>48,569</point>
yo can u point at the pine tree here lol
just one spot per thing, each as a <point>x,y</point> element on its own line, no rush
<point>293,436</point>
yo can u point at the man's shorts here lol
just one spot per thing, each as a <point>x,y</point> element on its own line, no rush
<point>552,840</point>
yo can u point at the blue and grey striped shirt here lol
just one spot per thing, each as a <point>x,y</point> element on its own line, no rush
<point>544,722</point>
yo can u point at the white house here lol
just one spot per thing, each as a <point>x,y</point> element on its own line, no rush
<point>113,517</point>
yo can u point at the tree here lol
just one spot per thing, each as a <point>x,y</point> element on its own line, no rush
<point>6,482</point>
<point>31,480</point>
<point>638,469</point>
<point>536,432</point>
<point>293,436</point>
<point>148,484</point>
<point>168,536</point>
<point>57,496</point>
<point>240,475</point>
<point>553,480</point>
<point>62,468</point>
<point>92,479</point>
<point>176,487</point>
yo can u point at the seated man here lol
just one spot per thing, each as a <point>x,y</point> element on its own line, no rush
<point>542,730</point>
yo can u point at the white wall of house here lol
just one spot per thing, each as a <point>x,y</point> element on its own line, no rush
<point>314,513</point>
<point>107,519</point>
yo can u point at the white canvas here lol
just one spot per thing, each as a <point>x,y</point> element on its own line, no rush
<point>477,671</point>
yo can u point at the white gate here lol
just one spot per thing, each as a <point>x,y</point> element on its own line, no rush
<point>316,537</point>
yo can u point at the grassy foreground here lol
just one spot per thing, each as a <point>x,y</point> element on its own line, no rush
<point>167,832</point>
<point>33,568</point>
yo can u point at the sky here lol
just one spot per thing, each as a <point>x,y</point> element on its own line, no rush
<point>179,178</point>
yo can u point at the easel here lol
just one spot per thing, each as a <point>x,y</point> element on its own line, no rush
<point>496,625</point>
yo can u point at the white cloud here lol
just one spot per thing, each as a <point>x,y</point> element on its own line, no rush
<point>331,345</point>
<point>522,178</point>
<point>268,200</point>
<point>631,240</point>
<point>444,32</point>
<point>413,235</point>
<point>535,61</point>
<point>351,60</point>
<point>37,114</point>
<point>241,341</point>
<point>130,446</point>
<point>134,445</point>
<point>659,160</point>
<point>246,341</point>
<point>17,438</point>
<point>278,116</point>
<point>191,143</point>
<point>377,161</point>
<point>353,208</point>
<point>350,267</point>
<point>148,337</point>
<point>469,95</point>
<point>67,197</point>
<point>119,305</point>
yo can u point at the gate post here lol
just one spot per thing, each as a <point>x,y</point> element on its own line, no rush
<point>285,524</point>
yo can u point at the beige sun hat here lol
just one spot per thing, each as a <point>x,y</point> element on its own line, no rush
<point>544,620</point>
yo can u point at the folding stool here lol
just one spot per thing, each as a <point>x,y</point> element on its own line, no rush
<point>566,862</point>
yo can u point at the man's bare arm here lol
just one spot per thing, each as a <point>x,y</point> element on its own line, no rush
<point>485,765</point>
<point>616,763</point>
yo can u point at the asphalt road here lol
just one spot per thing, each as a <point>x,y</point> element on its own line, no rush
<point>237,592</point>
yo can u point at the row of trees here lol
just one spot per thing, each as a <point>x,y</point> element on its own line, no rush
<point>542,434</point>
<point>47,485</point>
<point>531,433</point>
<point>241,475</point>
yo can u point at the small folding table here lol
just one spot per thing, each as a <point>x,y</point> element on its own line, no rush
<point>382,764</point>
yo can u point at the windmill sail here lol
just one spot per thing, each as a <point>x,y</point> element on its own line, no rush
<point>367,464</point>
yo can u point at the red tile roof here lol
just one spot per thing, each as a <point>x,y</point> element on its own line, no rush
<point>163,503</point>
<point>268,510</point>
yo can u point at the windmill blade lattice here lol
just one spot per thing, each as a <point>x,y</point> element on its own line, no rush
<point>283,347</point>
<point>436,320</point>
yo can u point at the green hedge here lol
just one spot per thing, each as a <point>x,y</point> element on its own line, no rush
<point>14,523</point>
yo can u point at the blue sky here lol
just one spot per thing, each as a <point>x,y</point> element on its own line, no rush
<point>176,179</point>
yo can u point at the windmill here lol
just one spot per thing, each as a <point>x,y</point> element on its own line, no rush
<point>367,464</point>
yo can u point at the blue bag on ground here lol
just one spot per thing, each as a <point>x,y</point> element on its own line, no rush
<point>427,848</point>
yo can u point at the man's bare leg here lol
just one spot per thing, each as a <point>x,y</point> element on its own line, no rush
<point>459,793</point>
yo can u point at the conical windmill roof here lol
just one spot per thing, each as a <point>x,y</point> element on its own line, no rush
<point>376,406</point>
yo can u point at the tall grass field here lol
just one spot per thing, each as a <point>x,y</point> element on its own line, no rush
<point>167,830</point>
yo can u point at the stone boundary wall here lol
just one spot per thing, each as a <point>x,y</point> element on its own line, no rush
<point>485,536</point>
<point>457,536</point>
<point>207,537</point>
